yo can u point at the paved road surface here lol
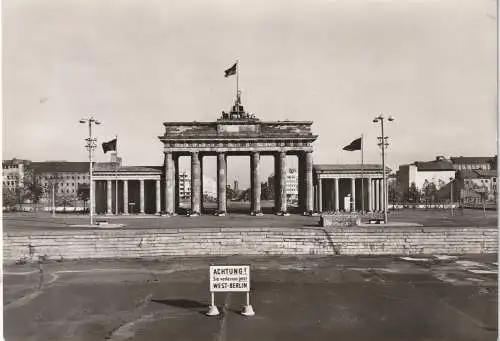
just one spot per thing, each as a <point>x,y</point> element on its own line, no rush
<point>310,298</point>
<point>469,218</point>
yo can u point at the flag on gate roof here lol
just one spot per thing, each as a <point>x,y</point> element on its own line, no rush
<point>109,146</point>
<point>355,145</point>
<point>231,70</point>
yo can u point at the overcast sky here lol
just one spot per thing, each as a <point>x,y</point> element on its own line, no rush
<point>135,64</point>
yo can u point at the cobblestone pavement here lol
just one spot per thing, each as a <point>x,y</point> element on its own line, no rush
<point>431,297</point>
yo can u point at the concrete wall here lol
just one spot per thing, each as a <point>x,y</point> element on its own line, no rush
<point>67,244</point>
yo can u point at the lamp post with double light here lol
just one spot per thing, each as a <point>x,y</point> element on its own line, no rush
<point>91,145</point>
<point>383,143</point>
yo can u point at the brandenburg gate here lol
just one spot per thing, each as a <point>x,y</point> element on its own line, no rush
<point>238,133</point>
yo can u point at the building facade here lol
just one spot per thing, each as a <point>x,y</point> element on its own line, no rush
<point>57,180</point>
<point>439,172</point>
<point>184,185</point>
<point>292,185</point>
<point>62,176</point>
<point>463,163</point>
<point>349,188</point>
<point>476,186</point>
<point>127,189</point>
<point>13,173</point>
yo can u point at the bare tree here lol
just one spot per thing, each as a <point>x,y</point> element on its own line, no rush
<point>83,193</point>
<point>429,191</point>
<point>414,195</point>
<point>32,186</point>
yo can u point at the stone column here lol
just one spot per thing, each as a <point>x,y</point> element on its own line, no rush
<point>331,195</point>
<point>370,201</point>
<point>276,183</point>
<point>195,183</point>
<point>320,195</point>
<point>353,194</point>
<point>221,183</point>
<point>109,202</point>
<point>336,185</point>
<point>255,183</point>
<point>169,184</point>
<point>309,183</point>
<point>125,197</point>
<point>316,196</point>
<point>381,194</point>
<point>201,183</point>
<point>158,197</point>
<point>141,198</point>
<point>376,193</point>
<point>282,182</point>
<point>176,181</point>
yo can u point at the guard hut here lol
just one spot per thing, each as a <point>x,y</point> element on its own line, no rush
<point>238,133</point>
<point>361,184</point>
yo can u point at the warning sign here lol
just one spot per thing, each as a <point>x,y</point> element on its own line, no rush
<point>229,278</point>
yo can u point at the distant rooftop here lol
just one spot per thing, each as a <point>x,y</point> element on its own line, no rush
<point>110,167</point>
<point>460,160</point>
<point>14,161</point>
<point>60,167</point>
<point>439,164</point>
<point>349,167</point>
<point>435,166</point>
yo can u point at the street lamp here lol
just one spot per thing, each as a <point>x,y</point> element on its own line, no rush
<point>91,145</point>
<point>383,143</point>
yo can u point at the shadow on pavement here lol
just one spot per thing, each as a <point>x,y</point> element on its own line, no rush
<point>196,306</point>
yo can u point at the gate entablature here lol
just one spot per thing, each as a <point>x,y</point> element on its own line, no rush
<point>238,136</point>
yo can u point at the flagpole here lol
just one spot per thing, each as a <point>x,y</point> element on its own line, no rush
<point>237,88</point>
<point>362,179</point>
<point>116,177</point>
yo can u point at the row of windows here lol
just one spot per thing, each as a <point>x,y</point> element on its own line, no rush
<point>483,181</point>
<point>62,191</point>
<point>73,177</point>
<point>67,191</point>
<point>62,184</point>
<point>479,166</point>
<point>14,177</point>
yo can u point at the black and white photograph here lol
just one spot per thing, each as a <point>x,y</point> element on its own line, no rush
<point>250,170</point>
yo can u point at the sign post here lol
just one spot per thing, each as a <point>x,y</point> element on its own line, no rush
<point>212,310</point>
<point>230,278</point>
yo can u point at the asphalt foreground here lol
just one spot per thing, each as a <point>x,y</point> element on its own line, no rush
<point>295,298</point>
